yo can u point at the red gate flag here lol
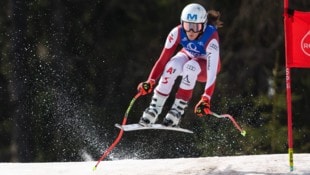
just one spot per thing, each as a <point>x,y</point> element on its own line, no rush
<point>297,36</point>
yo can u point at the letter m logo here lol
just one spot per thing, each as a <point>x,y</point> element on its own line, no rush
<point>191,17</point>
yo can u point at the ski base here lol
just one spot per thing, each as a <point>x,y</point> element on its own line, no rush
<point>136,127</point>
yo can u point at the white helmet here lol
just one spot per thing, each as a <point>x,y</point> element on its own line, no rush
<point>194,13</point>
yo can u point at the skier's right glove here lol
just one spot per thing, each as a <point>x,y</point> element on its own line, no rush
<point>203,107</point>
<point>146,87</point>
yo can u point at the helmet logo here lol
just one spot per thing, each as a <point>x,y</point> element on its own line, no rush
<point>192,17</point>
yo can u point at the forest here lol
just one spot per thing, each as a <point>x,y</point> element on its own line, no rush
<point>69,68</point>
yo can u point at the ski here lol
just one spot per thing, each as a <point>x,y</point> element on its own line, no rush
<point>136,127</point>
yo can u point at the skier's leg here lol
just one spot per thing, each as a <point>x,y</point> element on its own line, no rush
<point>191,69</point>
<point>151,113</point>
<point>172,70</point>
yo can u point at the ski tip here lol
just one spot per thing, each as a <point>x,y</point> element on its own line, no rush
<point>243,133</point>
<point>118,126</point>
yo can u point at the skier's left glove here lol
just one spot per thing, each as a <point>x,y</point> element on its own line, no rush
<point>146,87</point>
<point>203,107</point>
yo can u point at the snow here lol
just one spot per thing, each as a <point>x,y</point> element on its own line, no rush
<point>233,165</point>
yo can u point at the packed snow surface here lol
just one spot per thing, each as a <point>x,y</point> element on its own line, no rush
<point>234,165</point>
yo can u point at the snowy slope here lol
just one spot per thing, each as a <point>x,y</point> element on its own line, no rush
<point>243,165</point>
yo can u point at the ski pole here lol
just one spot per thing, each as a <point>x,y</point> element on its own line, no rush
<point>120,134</point>
<point>242,131</point>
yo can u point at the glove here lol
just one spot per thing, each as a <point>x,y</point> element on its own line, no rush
<point>203,107</point>
<point>146,87</point>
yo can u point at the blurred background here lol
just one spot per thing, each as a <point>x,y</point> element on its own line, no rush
<point>69,68</point>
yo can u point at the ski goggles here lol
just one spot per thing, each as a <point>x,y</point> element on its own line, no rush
<point>189,26</point>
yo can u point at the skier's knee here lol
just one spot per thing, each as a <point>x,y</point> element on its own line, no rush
<point>191,67</point>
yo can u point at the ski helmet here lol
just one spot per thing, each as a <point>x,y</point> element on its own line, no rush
<point>194,13</point>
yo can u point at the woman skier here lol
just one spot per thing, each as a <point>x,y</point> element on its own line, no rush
<point>198,60</point>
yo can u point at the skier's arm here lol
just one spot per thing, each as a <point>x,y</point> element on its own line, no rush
<point>171,44</point>
<point>213,65</point>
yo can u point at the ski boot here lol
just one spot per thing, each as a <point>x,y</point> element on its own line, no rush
<point>173,117</point>
<point>151,113</point>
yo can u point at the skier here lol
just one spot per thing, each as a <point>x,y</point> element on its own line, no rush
<point>198,60</point>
